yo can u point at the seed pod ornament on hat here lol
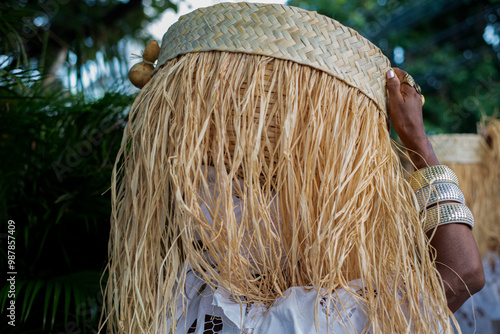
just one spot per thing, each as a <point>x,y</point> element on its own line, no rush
<point>258,157</point>
<point>141,72</point>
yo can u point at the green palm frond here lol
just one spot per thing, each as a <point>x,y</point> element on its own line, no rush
<point>79,293</point>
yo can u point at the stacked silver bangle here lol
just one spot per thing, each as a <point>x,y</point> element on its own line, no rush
<point>434,185</point>
<point>439,192</point>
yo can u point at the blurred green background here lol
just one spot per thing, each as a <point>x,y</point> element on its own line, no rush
<point>64,98</point>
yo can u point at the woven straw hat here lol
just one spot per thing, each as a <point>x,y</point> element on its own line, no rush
<point>459,148</point>
<point>282,32</point>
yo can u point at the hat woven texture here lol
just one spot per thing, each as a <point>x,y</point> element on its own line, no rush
<point>282,32</point>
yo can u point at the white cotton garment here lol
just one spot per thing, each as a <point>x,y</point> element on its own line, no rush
<point>297,311</point>
<point>202,309</point>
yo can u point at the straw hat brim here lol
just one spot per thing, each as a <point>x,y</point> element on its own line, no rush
<point>283,32</point>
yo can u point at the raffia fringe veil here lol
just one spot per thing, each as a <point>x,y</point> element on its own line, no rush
<point>323,197</point>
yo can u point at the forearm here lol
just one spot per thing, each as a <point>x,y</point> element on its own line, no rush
<point>458,263</point>
<point>457,257</point>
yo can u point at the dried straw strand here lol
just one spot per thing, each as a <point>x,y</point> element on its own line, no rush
<point>492,230</point>
<point>323,196</point>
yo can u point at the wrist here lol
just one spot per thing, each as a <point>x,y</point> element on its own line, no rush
<point>421,152</point>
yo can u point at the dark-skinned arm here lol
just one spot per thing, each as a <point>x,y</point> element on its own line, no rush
<point>457,257</point>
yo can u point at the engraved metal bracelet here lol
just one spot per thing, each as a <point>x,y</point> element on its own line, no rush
<point>438,193</point>
<point>433,174</point>
<point>447,214</point>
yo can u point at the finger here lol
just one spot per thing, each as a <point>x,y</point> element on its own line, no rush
<point>403,86</point>
<point>400,73</point>
<point>393,85</point>
<point>406,89</point>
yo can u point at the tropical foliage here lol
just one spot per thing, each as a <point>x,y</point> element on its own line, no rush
<point>59,152</point>
<point>64,99</point>
<point>451,47</point>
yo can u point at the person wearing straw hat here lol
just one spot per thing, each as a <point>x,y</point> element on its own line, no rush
<point>257,190</point>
